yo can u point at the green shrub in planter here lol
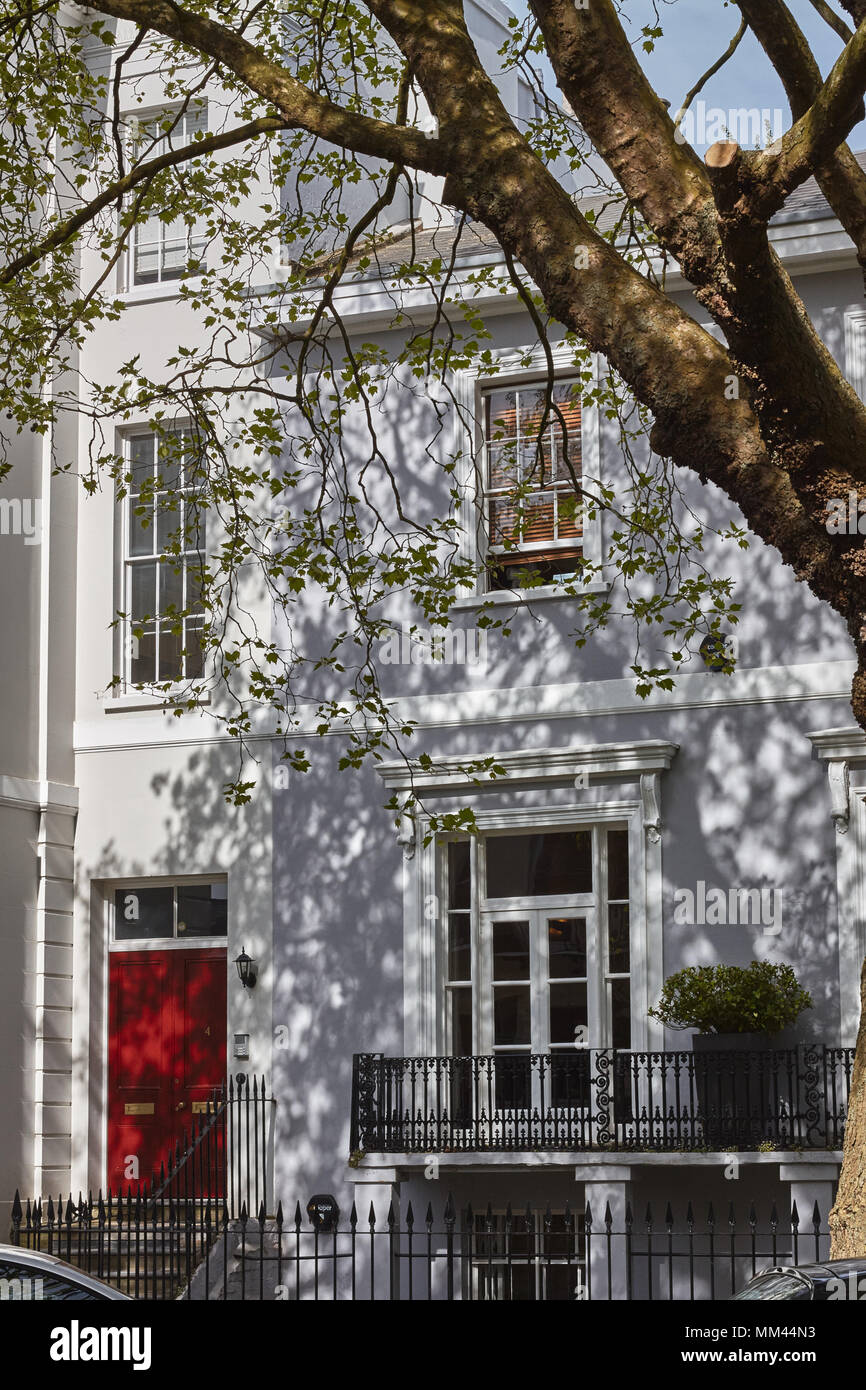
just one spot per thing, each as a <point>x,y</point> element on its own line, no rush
<point>759,998</point>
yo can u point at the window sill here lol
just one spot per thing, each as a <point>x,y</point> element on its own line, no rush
<point>523,597</point>
<point>140,700</point>
<point>161,290</point>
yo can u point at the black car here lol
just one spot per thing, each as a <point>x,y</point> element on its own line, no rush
<point>836,1281</point>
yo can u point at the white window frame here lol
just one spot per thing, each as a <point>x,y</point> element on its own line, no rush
<point>517,369</point>
<point>539,1262</point>
<point>162,943</point>
<point>124,563</point>
<point>844,753</point>
<point>425,865</point>
<point>133,121</point>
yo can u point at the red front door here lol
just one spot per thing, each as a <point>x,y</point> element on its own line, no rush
<point>167,1053</point>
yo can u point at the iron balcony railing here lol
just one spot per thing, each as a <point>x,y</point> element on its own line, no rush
<point>794,1097</point>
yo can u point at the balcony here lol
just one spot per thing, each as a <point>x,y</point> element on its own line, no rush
<point>601,1099</point>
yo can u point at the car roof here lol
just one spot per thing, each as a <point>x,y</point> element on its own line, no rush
<point>40,1259</point>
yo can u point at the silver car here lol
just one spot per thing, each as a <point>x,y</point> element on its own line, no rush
<point>33,1276</point>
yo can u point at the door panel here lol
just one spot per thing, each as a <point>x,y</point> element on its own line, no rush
<point>167,1052</point>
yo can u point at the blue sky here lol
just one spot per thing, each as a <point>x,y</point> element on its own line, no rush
<point>696,32</point>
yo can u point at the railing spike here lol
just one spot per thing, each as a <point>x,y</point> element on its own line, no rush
<point>353,1217</point>
<point>410,1217</point>
<point>279,1216</point>
<point>297,1216</point>
<point>371,1218</point>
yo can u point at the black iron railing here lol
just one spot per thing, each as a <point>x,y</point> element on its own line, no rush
<point>508,1254</point>
<point>149,1240</point>
<point>602,1099</point>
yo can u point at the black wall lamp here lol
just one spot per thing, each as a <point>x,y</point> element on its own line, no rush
<point>246,969</point>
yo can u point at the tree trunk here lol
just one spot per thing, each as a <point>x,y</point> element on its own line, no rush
<point>848,1217</point>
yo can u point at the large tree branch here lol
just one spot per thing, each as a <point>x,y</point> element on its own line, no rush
<point>299,107</point>
<point>841,179</point>
<point>632,128</point>
<point>836,22</point>
<point>816,135</point>
<point>124,185</point>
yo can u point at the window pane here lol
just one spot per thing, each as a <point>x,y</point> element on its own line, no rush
<point>520,866</point>
<point>617,863</point>
<point>168,525</point>
<point>538,519</point>
<point>532,410</point>
<point>511,1019</point>
<point>513,1087</point>
<point>502,467</point>
<point>194,580</point>
<point>169,463</point>
<point>511,950</point>
<point>567,1012</point>
<point>503,521</point>
<point>195,526</point>
<point>170,660</point>
<point>566,944</point>
<point>146,261</point>
<point>140,460</point>
<point>461,1022</point>
<point>143,913</point>
<point>570,1080</point>
<point>202,909</point>
<point>194,659</point>
<point>567,399</point>
<point>459,951</point>
<point>618,939</point>
<point>170,585</point>
<point>141,535</point>
<point>143,595</point>
<point>620,1013</point>
<point>142,666</point>
<point>459,878</point>
<point>500,415</point>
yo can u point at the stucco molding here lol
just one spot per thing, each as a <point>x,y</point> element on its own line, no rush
<point>28,795</point>
<point>630,760</point>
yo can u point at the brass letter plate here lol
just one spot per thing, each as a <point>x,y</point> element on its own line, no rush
<point>138,1107</point>
<point>202,1107</point>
